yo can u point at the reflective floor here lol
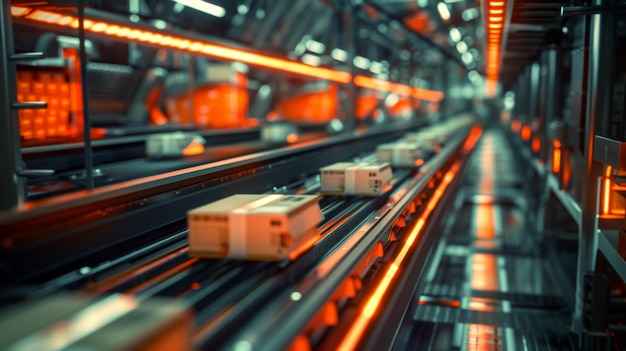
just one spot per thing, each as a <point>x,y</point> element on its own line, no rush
<point>491,286</point>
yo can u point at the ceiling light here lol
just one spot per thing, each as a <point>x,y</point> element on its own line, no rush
<point>461,47</point>
<point>444,12</point>
<point>311,59</point>
<point>361,62</point>
<point>470,14</point>
<point>467,58</point>
<point>455,34</point>
<point>243,9</point>
<point>315,46</point>
<point>204,6</point>
<point>376,67</point>
<point>339,54</point>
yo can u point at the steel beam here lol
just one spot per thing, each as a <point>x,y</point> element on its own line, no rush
<point>11,186</point>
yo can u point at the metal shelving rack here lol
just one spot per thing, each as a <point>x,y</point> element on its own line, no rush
<point>597,255</point>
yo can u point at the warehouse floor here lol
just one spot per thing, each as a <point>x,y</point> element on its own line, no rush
<point>492,285</point>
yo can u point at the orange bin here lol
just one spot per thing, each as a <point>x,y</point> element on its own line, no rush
<point>403,106</point>
<point>53,122</point>
<point>320,106</point>
<point>219,105</point>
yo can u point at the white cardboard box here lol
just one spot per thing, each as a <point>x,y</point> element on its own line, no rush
<point>356,178</point>
<point>255,227</point>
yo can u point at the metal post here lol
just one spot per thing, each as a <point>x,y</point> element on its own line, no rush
<point>551,102</point>
<point>525,100</point>
<point>349,28</point>
<point>533,103</point>
<point>547,112</point>
<point>520,96</point>
<point>11,186</point>
<point>89,182</point>
<point>601,37</point>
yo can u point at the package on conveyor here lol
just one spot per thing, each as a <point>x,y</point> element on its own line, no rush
<point>255,227</point>
<point>112,322</point>
<point>401,154</point>
<point>367,178</point>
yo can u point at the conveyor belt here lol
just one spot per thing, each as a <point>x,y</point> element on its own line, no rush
<point>73,231</point>
<point>226,294</point>
<point>492,287</point>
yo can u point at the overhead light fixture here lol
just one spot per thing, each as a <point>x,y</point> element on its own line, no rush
<point>444,11</point>
<point>178,8</point>
<point>470,14</point>
<point>474,76</point>
<point>361,62</point>
<point>311,59</point>
<point>299,49</point>
<point>203,6</point>
<point>315,46</point>
<point>455,34</point>
<point>422,3</point>
<point>467,58</point>
<point>376,67</point>
<point>160,24</point>
<point>495,12</point>
<point>461,47</point>
<point>339,54</point>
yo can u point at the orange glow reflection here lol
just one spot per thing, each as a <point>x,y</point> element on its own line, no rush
<point>484,272</point>
<point>194,148</point>
<point>292,138</point>
<point>485,218</point>
<point>495,13</point>
<point>481,337</point>
<point>446,303</point>
<point>516,125</point>
<point>526,132</point>
<point>400,89</point>
<point>303,248</point>
<point>480,304</point>
<point>536,145</point>
<point>19,11</point>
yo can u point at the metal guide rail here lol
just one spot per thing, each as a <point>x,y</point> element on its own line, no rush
<point>227,295</point>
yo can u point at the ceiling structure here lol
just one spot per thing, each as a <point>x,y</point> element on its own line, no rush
<point>389,36</point>
<point>530,27</point>
<point>390,31</point>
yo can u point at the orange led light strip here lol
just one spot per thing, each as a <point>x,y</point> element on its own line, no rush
<point>182,43</point>
<point>556,156</point>
<point>353,336</point>
<point>606,203</point>
<point>494,24</point>
<point>221,52</point>
<point>400,89</point>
